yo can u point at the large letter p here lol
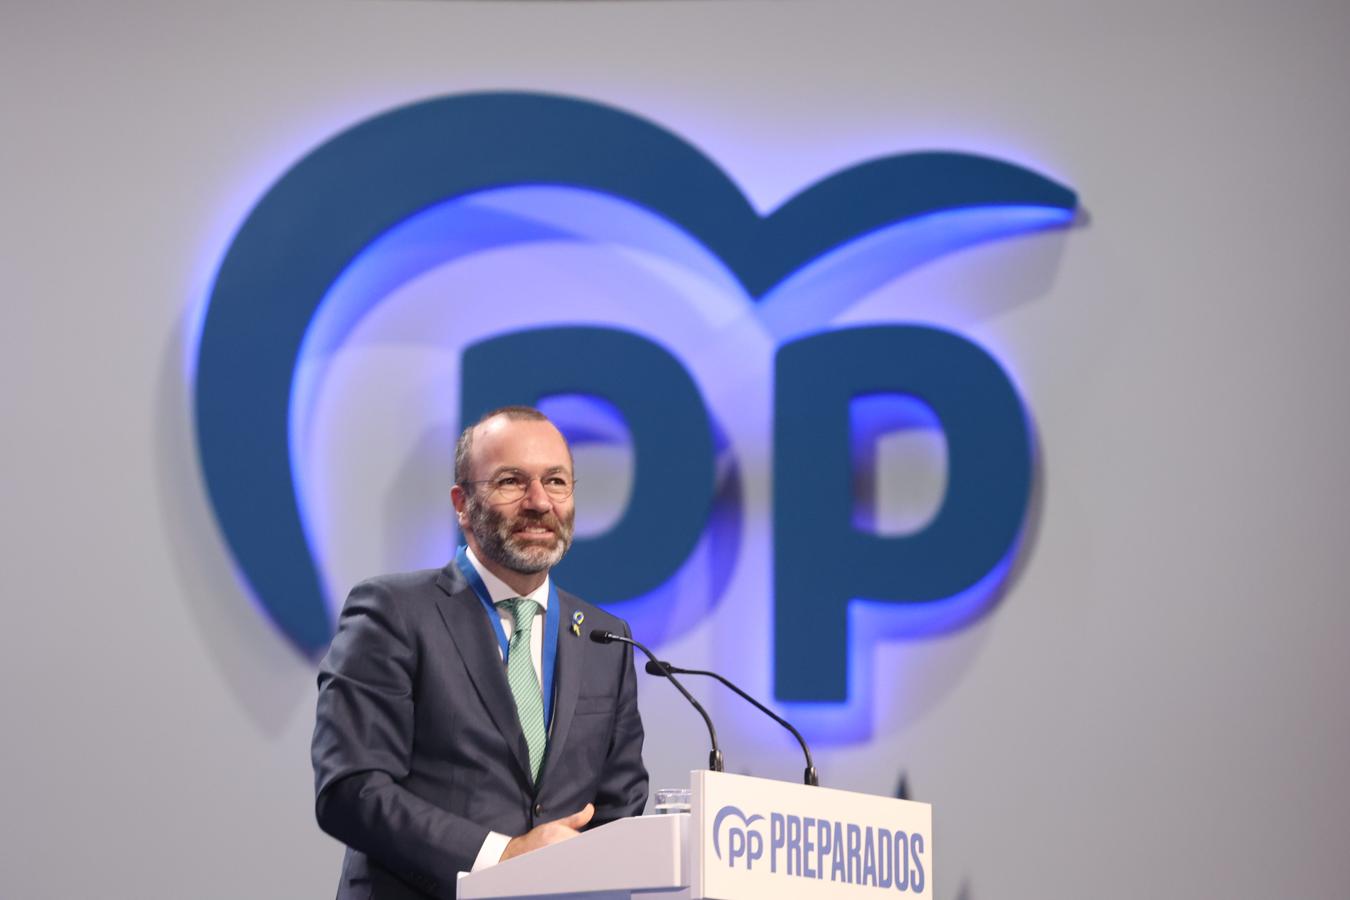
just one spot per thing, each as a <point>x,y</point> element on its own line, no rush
<point>821,559</point>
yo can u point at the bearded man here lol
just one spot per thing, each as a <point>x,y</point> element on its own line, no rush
<point>464,716</point>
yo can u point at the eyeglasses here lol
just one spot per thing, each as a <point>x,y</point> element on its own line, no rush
<point>510,486</point>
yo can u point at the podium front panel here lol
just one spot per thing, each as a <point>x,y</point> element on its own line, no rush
<point>751,838</point>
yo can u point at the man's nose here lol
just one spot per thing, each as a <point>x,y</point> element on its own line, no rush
<point>535,495</point>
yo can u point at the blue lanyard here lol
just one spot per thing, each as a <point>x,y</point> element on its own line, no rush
<point>550,625</point>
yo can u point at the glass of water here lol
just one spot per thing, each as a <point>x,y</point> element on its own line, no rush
<point>671,800</point>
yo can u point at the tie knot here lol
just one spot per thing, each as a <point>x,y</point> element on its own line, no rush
<point>522,610</point>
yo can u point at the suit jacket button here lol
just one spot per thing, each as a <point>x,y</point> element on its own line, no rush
<point>539,809</point>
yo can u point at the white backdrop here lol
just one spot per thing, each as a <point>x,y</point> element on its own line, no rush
<point>1156,706</point>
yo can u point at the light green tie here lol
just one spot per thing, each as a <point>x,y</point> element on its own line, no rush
<point>524,683</point>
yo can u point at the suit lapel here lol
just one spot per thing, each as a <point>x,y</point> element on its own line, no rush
<point>476,642</point>
<point>567,683</point>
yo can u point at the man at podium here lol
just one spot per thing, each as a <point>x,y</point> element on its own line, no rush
<point>464,716</point>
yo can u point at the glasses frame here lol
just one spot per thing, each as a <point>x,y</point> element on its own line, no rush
<point>529,480</point>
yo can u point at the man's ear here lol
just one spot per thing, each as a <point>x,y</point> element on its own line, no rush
<point>458,496</point>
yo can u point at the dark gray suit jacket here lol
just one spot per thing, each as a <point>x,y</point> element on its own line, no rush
<point>418,752</point>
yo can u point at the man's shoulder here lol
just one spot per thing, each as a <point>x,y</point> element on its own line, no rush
<point>411,587</point>
<point>418,579</point>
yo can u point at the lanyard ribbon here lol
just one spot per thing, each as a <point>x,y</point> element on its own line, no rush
<point>550,625</point>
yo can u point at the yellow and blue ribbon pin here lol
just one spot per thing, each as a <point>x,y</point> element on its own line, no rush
<point>577,618</point>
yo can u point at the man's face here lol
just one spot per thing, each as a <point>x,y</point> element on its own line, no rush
<point>528,535</point>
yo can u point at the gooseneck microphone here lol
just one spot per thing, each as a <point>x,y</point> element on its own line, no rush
<point>600,636</point>
<point>666,670</point>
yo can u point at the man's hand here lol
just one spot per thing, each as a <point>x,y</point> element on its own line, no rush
<point>549,833</point>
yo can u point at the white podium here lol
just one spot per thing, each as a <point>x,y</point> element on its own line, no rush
<point>743,839</point>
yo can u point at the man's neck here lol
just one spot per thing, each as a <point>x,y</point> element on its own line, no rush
<point>521,582</point>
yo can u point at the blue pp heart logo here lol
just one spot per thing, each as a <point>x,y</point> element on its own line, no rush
<point>743,841</point>
<point>346,194</point>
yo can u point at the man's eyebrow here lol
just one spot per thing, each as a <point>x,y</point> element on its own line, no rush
<point>516,470</point>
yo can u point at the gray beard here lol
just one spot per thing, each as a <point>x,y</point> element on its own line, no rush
<point>492,531</point>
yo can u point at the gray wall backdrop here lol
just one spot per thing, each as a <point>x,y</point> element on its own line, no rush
<point>1157,707</point>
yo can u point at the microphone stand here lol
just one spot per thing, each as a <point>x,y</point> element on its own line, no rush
<point>666,670</point>
<point>600,636</point>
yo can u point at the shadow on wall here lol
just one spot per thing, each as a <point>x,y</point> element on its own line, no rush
<point>268,679</point>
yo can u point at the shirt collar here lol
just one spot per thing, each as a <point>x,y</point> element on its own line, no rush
<point>499,590</point>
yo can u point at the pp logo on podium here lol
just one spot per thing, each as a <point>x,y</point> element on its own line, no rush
<point>744,843</point>
<point>339,199</point>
